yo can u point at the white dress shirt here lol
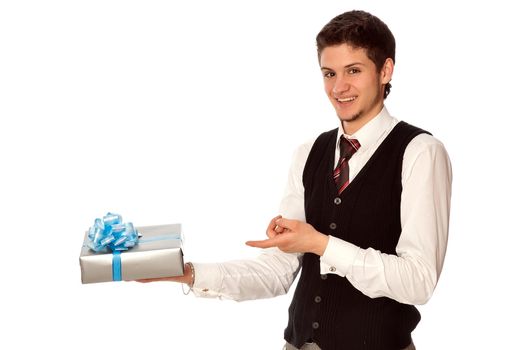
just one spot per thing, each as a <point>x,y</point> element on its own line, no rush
<point>408,277</point>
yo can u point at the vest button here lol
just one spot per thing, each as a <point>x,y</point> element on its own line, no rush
<point>332,226</point>
<point>315,325</point>
<point>318,299</point>
<point>337,201</point>
<point>324,277</point>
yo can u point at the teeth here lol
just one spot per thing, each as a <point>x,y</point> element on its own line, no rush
<point>346,99</point>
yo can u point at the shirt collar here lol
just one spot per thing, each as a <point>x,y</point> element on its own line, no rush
<point>370,133</point>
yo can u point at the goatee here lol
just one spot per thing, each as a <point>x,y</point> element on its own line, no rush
<point>352,118</point>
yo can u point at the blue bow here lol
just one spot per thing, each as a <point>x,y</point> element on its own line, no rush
<point>110,232</point>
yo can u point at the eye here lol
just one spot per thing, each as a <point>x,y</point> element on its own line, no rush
<point>328,74</point>
<point>353,71</point>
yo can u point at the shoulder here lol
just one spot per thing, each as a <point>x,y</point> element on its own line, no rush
<point>422,143</point>
<point>426,153</point>
<point>302,152</point>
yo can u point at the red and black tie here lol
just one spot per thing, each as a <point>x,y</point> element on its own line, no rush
<point>348,147</point>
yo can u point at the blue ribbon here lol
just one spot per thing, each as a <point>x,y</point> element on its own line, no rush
<point>111,233</point>
<point>116,266</point>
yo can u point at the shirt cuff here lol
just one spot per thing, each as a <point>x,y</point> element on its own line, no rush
<point>338,257</point>
<point>207,280</point>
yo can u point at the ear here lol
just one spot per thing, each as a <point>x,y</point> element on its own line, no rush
<point>387,71</point>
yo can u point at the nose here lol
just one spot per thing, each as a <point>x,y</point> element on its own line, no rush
<point>341,85</point>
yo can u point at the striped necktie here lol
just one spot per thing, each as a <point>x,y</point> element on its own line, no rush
<point>341,173</point>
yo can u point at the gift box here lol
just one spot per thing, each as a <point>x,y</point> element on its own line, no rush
<point>157,253</point>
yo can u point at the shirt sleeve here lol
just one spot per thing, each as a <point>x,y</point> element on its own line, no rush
<point>271,273</point>
<point>410,276</point>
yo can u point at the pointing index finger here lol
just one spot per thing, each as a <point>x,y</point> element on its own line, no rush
<point>266,243</point>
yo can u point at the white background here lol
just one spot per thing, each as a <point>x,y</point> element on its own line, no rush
<point>153,108</point>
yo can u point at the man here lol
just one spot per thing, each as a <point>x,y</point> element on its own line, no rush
<point>365,213</point>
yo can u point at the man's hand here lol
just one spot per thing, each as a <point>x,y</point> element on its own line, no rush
<point>292,236</point>
<point>186,278</point>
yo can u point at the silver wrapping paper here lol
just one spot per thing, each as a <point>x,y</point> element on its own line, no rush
<point>151,259</point>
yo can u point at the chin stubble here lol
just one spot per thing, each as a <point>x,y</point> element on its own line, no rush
<point>352,118</point>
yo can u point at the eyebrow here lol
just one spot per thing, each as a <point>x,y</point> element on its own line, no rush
<point>346,67</point>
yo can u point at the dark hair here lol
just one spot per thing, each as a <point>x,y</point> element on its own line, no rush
<point>360,30</point>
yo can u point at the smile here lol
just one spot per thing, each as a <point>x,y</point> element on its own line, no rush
<point>347,99</point>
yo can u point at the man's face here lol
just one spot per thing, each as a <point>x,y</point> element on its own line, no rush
<point>353,84</point>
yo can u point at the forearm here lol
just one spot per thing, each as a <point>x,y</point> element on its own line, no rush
<point>269,275</point>
<point>406,278</point>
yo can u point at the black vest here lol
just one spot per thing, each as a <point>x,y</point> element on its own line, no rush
<point>327,309</point>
